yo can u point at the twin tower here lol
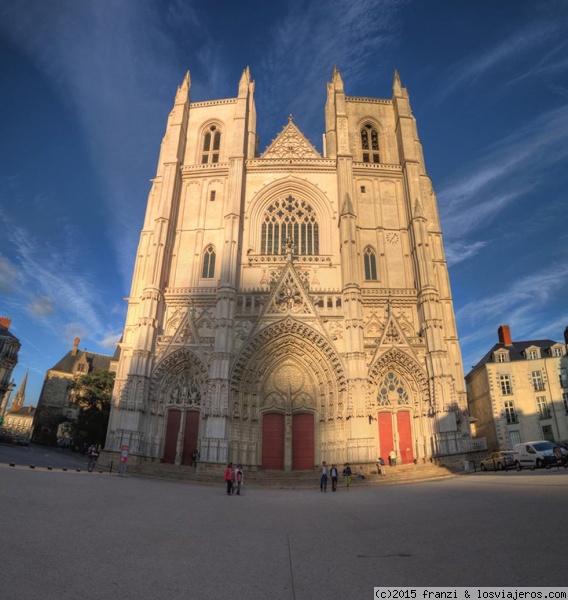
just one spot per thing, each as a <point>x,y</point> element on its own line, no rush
<point>290,307</point>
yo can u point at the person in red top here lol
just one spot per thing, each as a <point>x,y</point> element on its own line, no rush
<point>229,478</point>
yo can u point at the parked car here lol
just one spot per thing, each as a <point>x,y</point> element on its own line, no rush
<point>535,455</point>
<point>498,461</point>
<point>6,437</point>
<point>22,440</point>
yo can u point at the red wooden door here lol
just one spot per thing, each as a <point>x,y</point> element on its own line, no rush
<point>273,441</point>
<point>303,451</point>
<point>172,431</point>
<point>190,436</point>
<point>404,436</point>
<point>386,443</point>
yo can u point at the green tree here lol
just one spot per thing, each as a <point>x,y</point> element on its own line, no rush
<point>92,393</point>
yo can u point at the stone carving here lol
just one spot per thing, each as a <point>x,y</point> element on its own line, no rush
<point>336,331</point>
<point>290,144</point>
<point>243,329</point>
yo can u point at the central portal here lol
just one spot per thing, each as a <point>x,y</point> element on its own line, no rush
<point>280,441</point>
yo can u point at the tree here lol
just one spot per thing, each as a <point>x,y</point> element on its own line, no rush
<point>92,393</point>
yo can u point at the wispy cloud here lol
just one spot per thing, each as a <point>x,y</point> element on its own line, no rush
<point>313,38</point>
<point>521,43</point>
<point>8,275</point>
<point>511,168</point>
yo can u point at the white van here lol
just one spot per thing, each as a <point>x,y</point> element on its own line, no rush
<point>534,454</point>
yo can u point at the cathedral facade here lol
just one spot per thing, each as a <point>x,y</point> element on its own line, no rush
<point>290,307</point>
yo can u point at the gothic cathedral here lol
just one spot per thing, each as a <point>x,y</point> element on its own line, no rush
<point>290,307</point>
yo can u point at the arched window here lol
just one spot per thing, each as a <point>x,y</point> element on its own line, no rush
<point>208,263</point>
<point>370,264</point>
<point>370,144</point>
<point>211,146</point>
<point>290,218</point>
<point>392,392</point>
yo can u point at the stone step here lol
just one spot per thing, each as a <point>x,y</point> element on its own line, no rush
<point>213,474</point>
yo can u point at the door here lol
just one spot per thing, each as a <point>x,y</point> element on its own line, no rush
<point>303,451</point>
<point>273,441</point>
<point>386,443</point>
<point>405,451</point>
<point>172,431</point>
<point>190,436</point>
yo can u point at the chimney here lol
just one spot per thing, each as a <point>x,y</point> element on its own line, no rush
<point>5,322</point>
<point>75,346</point>
<point>504,333</point>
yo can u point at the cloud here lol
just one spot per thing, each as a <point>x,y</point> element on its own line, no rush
<point>510,169</point>
<point>522,43</point>
<point>72,331</point>
<point>8,275</point>
<point>41,307</point>
<point>110,341</point>
<point>329,33</point>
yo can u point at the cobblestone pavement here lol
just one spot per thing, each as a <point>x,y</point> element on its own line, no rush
<point>77,536</point>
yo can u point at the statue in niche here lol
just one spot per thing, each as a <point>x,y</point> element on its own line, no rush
<point>236,412</point>
<point>253,412</point>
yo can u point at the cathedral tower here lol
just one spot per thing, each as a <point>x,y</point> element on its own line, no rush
<point>291,307</point>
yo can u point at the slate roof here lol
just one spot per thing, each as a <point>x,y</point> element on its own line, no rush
<point>23,411</point>
<point>6,333</point>
<point>96,361</point>
<point>515,351</point>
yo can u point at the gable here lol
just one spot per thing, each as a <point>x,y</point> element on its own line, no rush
<point>290,143</point>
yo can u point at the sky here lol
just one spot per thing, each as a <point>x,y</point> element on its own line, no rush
<point>87,86</point>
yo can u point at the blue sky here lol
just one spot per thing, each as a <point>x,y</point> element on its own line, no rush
<point>87,87</point>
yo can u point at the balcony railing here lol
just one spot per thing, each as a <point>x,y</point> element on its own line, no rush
<point>544,413</point>
<point>538,387</point>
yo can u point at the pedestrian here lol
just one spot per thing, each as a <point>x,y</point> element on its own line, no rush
<point>392,458</point>
<point>333,474</point>
<point>347,475</point>
<point>93,454</point>
<point>194,457</point>
<point>239,479</point>
<point>229,478</point>
<point>323,478</point>
<point>360,474</point>
<point>381,467</point>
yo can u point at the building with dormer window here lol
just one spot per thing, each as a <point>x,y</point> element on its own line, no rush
<point>518,392</point>
<point>292,306</point>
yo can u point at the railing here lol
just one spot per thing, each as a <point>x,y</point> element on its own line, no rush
<point>544,413</point>
<point>452,442</point>
<point>539,387</point>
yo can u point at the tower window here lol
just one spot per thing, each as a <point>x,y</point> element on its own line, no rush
<point>211,146</point>
<point>370,145</point>
<point>370,264</point>
<point>208,263</point>
<point>212,196</point>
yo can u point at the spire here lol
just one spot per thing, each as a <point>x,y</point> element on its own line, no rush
<point>396,86</point>
<point>20,396</point>
<point>347,208</point>
<point>244,82</point>
<point>182,94</point>
<point>336,79</point>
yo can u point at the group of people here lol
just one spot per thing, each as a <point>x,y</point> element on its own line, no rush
<point>234,479</point>
<point>332,473</point>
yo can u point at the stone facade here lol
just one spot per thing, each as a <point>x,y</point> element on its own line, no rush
<point>55,405</point>
<point>9,348</point>
<point>518,392</point>
<point>290,307</point>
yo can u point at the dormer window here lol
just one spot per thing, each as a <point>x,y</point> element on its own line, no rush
<point>501,357</point>
<point>370,145</point>
<point>532,354</point>
<point>557,351</point>
<point>211,145</point>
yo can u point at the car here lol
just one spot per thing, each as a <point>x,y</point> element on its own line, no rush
<point>498,461</point>
<point>6,437</point>
<point>22,440</point>
<point>535,455</point>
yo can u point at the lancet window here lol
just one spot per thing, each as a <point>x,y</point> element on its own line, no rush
<point>208,263</point>
<point>211,145</point>
<point>370,262</point>
<point>370,144</point>
<point>290,218</point>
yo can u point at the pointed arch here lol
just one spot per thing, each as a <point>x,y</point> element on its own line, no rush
<point>208,264</point>
<point>211,143</point>
<point>370,263</point>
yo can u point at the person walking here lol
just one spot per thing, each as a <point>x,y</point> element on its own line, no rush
<point>381,467</point>
<point>347,475</point>
<point>239,479</point>
<point>323,478</point>
<point>333,474</point>
<point>229,478</point>
<point>93,454</point>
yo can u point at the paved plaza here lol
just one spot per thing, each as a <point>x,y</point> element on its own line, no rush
<point>75,535</point>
